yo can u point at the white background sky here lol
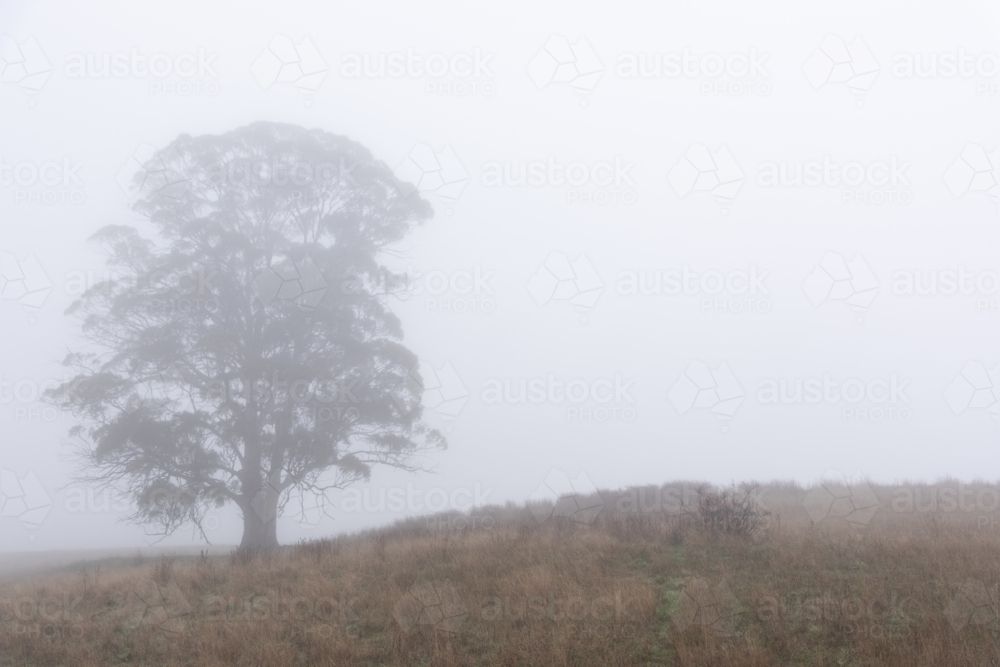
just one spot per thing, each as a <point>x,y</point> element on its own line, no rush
<point>509,232</point>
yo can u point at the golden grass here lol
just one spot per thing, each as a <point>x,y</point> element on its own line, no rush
<point>512,586</point>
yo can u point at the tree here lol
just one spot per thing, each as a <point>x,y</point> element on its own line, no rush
<point>240,350</point>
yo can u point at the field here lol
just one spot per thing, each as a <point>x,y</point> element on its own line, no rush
<point>671,575</point>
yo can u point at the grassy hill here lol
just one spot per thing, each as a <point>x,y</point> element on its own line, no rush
<point>671,575</point>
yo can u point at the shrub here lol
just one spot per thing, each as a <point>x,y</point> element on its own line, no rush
<point>731,511</point>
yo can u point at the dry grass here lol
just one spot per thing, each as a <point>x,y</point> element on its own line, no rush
<point>640,584</point>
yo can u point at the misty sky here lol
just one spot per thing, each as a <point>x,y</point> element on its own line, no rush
<point>661,262</point>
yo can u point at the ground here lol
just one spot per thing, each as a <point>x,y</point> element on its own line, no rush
<point>820,582</point>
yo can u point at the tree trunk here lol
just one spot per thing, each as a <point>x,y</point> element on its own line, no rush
<point>260,524</point>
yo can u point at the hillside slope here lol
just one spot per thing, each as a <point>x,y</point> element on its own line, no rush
<point>617,578</point>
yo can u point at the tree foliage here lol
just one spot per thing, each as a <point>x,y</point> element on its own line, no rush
<point>239,349</point>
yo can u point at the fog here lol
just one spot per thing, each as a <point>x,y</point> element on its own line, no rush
<point>659,281</point>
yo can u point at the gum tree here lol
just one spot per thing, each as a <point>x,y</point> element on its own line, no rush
<point>238,350</point>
